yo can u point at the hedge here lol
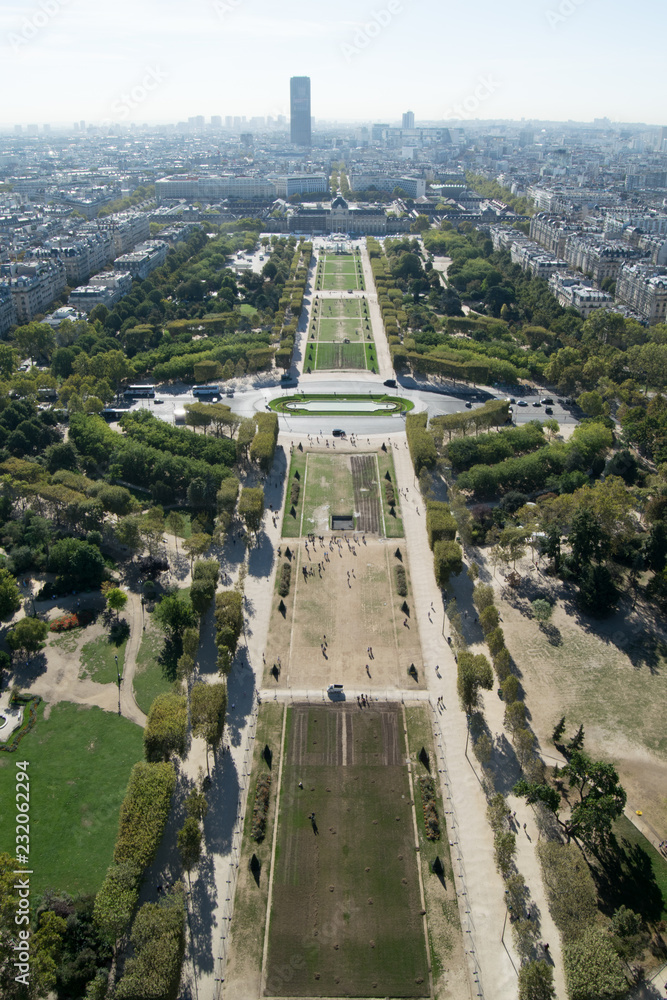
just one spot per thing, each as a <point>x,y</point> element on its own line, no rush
<point>261,808</point>
<point>447,560</point>
<point>401,581</point>
<point>166,727</point>
<point>285,579</point>
<point>228,619</point>
<point>420,442</point>
<point>440,522</point>
<point>429,807</point>
<point>143,813</point>
<point>158,936</point>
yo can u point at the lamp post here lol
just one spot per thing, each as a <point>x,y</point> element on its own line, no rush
<point>467,731</point>
<point>119,680</point>
<point>508,910</point>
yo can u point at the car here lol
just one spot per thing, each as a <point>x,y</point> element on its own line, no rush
<point>338,432</point>
<point>511,400</point>
<point>537,403</point>
<point>548,409</point>
<point>391,382</point>
<point>158,402</point>
<point>468,405</point>
<point>522,402</point>
<point>548,401</point>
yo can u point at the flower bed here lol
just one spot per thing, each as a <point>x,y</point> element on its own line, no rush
<point>74,619</point>
<point>431,818</point>
<point>29,719</point>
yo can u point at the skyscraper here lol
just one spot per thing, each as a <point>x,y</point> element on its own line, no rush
<point>300,111</point>
<point>409,119</point>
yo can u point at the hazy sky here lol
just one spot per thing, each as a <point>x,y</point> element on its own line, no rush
<point>162,60</point>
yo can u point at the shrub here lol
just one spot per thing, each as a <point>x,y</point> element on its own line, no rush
<point>447,560</point>
<point>495,640</point>
<point>75,619</point>
<point>228,619</point>
<point>592,967</point>
<point>482,595</point>
<point>295,493</point>
<point>166,727</point>
<point>116,899</point>
<point>401,581</point>
<point>570,887</point>
<point>504,844</point>
<point>489,619</point>
<point>158,937</point>
<point>285,579</point>
<point>261,808</point>
<point>143,813</point>
<point>502,663</point>
<point>429,807</point>
<point>390,494</point>
<point>420,442</point>
<point>440,523</point>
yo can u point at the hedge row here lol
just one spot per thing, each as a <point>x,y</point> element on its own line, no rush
<point>401,581</point>
<point>285,579</point>
<point>228,626</point>
<point>429,807</point>
<point>166,728</point>
<point>261,808</point>
<point>263,447</point>
<point>440,522</point>
<point>420,442</point>
<point>158,936</point>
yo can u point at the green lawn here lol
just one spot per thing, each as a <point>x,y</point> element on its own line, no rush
<point>150,678</point>
<point>370,356</point>
<point>332,356</point>
<point>339,273</point>
<point>80,760</point>
<point>346,893</point>
<point>393,525</point>
<point>636,844</point>
<point>98,660</point>
<point>292,524</point>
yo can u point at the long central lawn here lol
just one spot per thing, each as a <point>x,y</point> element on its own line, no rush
<point>346,894</point>
<point>330,356</point>
<point>80,760</point>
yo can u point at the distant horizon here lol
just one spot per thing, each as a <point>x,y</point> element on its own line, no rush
<point>545,60</point>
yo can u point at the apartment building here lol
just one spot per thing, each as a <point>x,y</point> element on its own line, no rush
<point>143,259</point>
<point>126,230</point>
<point>196,188</point>
<point>643,287</point>
<point>598,259</point>
<point>33,286</point>
<point>7,311</point>
<point>572,292</point>
<point>551,232</point>
<point>104,289</point>
<point>414,187</point>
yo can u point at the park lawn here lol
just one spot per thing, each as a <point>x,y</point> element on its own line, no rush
<point>247,310</point>
<point>393,525</point>
<point>625,830</point>
<point>80,760</point>
<point>442,911</point>
<point>98,659</point>
<point>339,328</point>
<point>370,356</point>
<point>329,487</point>
<point>250,901</point>
<point>346,899</point>
<point>292,524</point>
<point>332,356</point>
<point>151,677</point>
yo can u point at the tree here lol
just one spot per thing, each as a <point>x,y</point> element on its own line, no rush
<point>542,610</point>
<point>251,508</point>
<point>244,437</point>
<point>27,635</point>
<point>559,729</point>
<point>189,844</point>
<point>196,545</point>
<point>474,672</point>
<point>536,981</point>
<point>166,728</point>
<point>116,600</point>
<point>601,799</point>
<point>10,599</point>
<point>152,528</point>
<point>504,844</point>
<point>196,804</point>
<point>35,340</point>
<point>127,532</point>
<point>77,563</point>
<point>208,708</point>
<point>175,525</point>
<point>174,615</point>
<point>447,561</point>
<point>593,970</point>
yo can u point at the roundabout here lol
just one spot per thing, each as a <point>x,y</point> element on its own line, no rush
<point>340,404</point>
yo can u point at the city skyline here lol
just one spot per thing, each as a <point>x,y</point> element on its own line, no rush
<point>552,61</point>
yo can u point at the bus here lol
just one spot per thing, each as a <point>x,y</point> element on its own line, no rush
<point>206,392</point>
<point>140,392</point>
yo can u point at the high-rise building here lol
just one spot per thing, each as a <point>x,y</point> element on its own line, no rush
<point>300,133</point>
<point>409,119</point>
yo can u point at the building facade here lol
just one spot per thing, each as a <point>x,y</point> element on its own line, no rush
<point>34,286</point>
<point>643,288</point>
<point>300,122</point>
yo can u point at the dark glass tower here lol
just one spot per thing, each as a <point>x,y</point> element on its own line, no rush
<point>299,90</point>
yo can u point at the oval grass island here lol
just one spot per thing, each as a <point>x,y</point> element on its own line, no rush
<point>340,404</point>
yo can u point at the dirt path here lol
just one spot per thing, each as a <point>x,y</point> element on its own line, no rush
<point>134,613</point>
<point>386,369</point>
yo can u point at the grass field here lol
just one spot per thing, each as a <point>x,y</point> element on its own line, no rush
<point>336,355</point>
<point>151,678</point>
<point>393,526</point>
<point>98,660</point>
<point>79,764</point>
<point>337,319</point>
<point>329,489</point>
<point>641,852</point>
<point>292,522</point>
<point>346,899</point>
<point>338,272</point>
